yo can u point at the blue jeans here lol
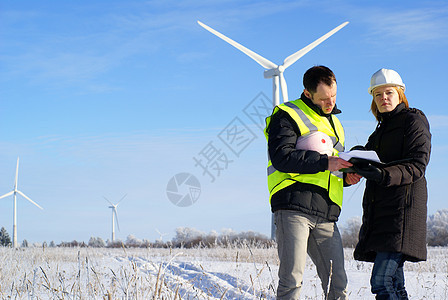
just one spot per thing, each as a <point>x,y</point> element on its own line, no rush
<point>387,279</point>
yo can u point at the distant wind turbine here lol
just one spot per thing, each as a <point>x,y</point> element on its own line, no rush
<point>114,215</point>
<point>161,235</point>
<point>275,71</point>
<point>14,192</point>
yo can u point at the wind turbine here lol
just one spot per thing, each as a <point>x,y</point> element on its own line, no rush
<point>15,192</point>
<point>114,215</point>
<point>161,235</point>
<point>272,70</point>
<point>275,71</point>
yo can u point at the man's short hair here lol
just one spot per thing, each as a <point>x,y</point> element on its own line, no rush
<point>315,75</point>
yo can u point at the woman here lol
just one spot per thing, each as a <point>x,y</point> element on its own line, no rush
<point>394,205</point>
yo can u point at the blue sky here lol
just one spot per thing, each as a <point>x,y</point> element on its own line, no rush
<point>107,98</point>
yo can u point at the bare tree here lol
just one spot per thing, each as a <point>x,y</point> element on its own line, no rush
<point>350,232</point>
<point>96,242</point>
<point>437,228</point>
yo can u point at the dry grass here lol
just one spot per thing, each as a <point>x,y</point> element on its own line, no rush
<point>92,273</point>
<point>98,273</point>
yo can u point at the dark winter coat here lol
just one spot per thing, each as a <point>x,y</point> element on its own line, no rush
<point>307,198</point>
<point>394,211</point>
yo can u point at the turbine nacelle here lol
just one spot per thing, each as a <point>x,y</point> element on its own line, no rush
<point>274,72</point>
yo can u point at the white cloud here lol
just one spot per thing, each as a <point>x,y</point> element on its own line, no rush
<point>52,49</point>
<point>408,26</point>
<point>397,24</point>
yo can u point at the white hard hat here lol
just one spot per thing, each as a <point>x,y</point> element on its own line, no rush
<point>385,77</point>
<point>316,141</point>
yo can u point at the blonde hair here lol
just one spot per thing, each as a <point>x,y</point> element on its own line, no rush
<point>401,96</point>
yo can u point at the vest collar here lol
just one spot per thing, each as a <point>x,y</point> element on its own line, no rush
<point>317,108</point>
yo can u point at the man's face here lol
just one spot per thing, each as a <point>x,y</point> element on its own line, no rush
<point>324,97</point>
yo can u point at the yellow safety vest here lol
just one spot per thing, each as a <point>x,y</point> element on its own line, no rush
<point>308,120</point>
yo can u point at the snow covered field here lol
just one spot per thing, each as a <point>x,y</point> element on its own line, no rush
<point>220,273</point>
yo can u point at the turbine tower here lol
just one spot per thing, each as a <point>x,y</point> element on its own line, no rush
<point>275,71</point>
<point>114,215</point>
<point>14,192</point>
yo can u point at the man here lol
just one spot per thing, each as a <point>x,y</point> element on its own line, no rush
<point>306,187</point>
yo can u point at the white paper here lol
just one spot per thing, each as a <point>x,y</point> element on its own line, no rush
<point>365,154</point>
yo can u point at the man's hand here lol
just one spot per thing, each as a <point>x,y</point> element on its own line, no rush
<point>352,178</point>
<point>335,163</point>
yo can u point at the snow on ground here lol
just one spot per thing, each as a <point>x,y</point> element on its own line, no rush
<point>220,273</point>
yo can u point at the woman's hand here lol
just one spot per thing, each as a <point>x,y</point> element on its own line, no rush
<point>370,173</point>
<point>352,178</point>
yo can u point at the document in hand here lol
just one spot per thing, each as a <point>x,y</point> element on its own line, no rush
<point>365,157</point>
<point>369,155</point>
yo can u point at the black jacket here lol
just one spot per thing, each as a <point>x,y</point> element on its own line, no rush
<point>283,133</point>
<point>394,211</point>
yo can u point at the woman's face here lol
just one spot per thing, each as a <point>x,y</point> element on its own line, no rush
<point>386,98</point>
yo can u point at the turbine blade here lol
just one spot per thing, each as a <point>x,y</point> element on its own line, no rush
<point>108,201</point>
<point>17,174</point>
<point>29,199</point>
<point>122,199</point>
<point>284,87</point>
<point>6,195</point>
<point>116,219</point>
<point>265,63</point>
<point>294,57</point>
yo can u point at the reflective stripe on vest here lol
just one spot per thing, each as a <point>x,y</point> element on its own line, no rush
<point>308,120</point>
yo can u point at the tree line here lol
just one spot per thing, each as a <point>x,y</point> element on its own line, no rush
<point>436,230</point>
<point>437,235</point>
